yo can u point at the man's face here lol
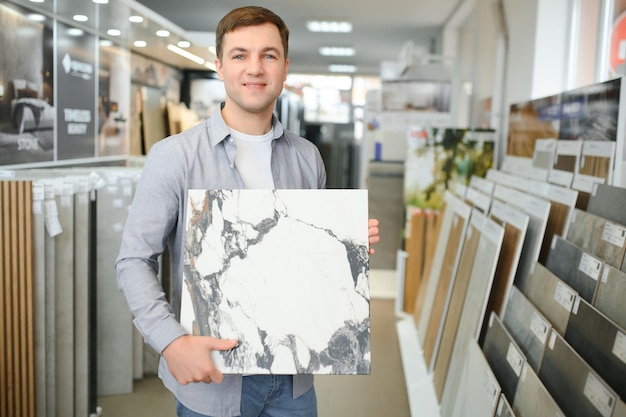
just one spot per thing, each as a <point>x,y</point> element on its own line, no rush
<point>253,67</point>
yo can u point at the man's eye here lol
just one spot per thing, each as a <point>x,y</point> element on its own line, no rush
<point>238,57</point>
<point>270,56</point>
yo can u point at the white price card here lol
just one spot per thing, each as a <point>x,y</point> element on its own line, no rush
<point>619,346</point>
<point>601,398</point>
<point>515,359</point>
<point>539,327</point>
<point>564,296</point>
<point>590,266</point>
<point>614,234</point>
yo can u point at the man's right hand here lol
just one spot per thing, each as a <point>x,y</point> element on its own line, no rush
<point>189,358</point>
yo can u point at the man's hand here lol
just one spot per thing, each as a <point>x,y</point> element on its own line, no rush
<point>373,233</point>
<point>189,358</point>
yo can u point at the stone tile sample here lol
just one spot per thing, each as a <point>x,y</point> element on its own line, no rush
<point>577,268</point>
<point>608,201</point>
<point>532,399</point>
<point>504,409</point>
<point>574,385</point>
<point>283,271</point>
<point>620,409</point>
<point>600,342</point>
<point>551,295</point>
<point>528,327</point>
<point>610,296</point>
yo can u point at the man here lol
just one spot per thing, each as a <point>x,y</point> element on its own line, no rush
<point>242,145</point>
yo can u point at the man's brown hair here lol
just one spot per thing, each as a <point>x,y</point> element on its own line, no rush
<point>249,16</point>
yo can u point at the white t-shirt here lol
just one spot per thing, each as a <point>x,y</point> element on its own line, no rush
<point>253,159</point>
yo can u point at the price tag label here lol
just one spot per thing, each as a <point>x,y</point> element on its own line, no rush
<point>564,296</point>
<point>539,327</point>
<point>614,234</point>
<point>619,346</point>
<point>515,359</point>
<point>601,398</point>
<point>590,266</point>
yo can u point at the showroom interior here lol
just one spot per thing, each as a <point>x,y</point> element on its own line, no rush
<point>486,136</point>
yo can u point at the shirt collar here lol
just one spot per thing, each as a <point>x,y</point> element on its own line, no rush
<point>218,131</point>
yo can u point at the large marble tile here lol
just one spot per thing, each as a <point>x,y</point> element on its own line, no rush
<point>600,342</point>
<point>610,295</point>
<point>608,201</point>
<point>575,386</point>
<point>528,327</point>
<point>283,271</point>
<point>532,399</point>
<point>575,266</point>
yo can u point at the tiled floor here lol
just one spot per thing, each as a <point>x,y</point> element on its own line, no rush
<point>383,393</point>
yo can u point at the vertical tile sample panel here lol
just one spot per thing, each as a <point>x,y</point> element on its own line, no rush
<point>446,281</point>
<point>528,327</point>
<point>551,295</point>
<point>577,268</point>
<point>532,399</point>
<point>504,408</point>
<point>562,203</point>
<point>301,255</point>
<point>414,246</point>
<point>505,357</point>
<point>620,409</point>
<point>479,390</point>
<point>457,298</point>
<point>610,296</point>
<point>574,385</point>
<point>608,201</point>
<point>474,307</point>
<point>600,342</point>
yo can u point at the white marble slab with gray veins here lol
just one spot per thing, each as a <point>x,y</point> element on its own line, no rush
<point>286,272</point>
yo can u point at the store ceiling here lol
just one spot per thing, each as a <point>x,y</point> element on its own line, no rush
<point>380,28</point>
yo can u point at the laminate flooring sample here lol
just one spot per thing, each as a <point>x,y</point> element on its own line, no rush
<point>600,342</point>
<point>528,327</point>
<point>505,357</point>
<point>574,385</point>
<point>610,295</point>
<point>608,201</point>
<point>551,295</point>
<point>598,236</point>
<point>479,390</point>
<point>562,203</point>
<point>579,269</point>
<point>532,399</point>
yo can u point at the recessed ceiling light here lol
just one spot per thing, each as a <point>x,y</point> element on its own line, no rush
<point>80,18</point>
<point>36,1</point>
<point>163,33</point>
<point>329,26</point>
<point>36,17</point>
<point>101,1</point>
<point>136,19</point>
<point>342,68</point>
<point>105,42</point>
<point>336,51</point>
<point>74,32</point>
<point>140,44</point>
<point>183,44</point>
<point>114,32</point>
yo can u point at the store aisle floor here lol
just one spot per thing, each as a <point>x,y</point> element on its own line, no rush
<point>383,393</point>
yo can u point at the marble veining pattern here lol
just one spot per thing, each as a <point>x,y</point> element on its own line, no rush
<point>283,271</point>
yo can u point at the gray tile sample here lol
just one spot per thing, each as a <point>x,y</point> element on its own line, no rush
<point>532,399</point>
<point>528,327</point>
<point>608,201</point>
<point>552,297</point>
<point>620,409</point>
<point>598,236</point>
<point>610,295</point>
<point>504,409</point>
<point>600,342</point>
<point>579,269</point>
<point>301,256</point>
<point>479,390</point>
<point>505,357</point>
<point>574,385</point>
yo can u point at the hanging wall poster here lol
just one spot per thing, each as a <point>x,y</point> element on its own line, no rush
<point>285,272</point>
<point>27,108</point>
<point>76,78</point>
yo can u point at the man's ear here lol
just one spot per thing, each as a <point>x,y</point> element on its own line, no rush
<point>218,68</point>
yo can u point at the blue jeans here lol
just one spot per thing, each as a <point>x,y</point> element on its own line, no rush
<point>268,396</point>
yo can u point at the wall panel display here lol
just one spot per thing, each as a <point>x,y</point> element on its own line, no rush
<point>27,106</point>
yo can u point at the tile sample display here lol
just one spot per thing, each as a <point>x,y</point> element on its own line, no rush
<point>600,342</point>
<point>596,159</point>
<point>610,295</point>
<point>528,327</point>
<point>574,385</point>
<point>598,236</point>
<point>532,399</point>
<point>552,297</point>
<point>565,162</point>
<point>457,298</point>
<point>620,409</point>
<point>479,391</point>
<point>504,409</point>
<point>608,201</point>
<point>474,306</point>
<point>414,246</point>
<point>577,268</point>
<point>562,203</point>
<point>283,271</point>
<point>505,357</point>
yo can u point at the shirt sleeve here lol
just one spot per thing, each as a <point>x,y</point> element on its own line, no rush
<point>152,219</point>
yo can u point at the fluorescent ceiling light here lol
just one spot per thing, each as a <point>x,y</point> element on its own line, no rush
<point>213,50</point>
<point>75,32</point>
<point>140,44</point>
<point>183,44</point>
<point>185,54</point>
<point>114,32</point>
<point>105,42</point>
<point>329,26</point>
<point>101,1</point>
<point>342,68</point>
<point>336,51</point>
<point>35,17</point>
<point>163,33</point>
<point>80,18</point>
<point>211,66</point>
<point>36,1</point>
<point>136,19</point>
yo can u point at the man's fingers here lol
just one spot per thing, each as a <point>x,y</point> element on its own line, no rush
<point>223,344</point>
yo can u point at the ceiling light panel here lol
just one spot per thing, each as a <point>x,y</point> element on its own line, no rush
<point>342,68</point>
<point>336,51</point>
<point>329,26</point>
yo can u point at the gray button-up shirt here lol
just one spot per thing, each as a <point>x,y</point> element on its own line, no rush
<point>202,157</point>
